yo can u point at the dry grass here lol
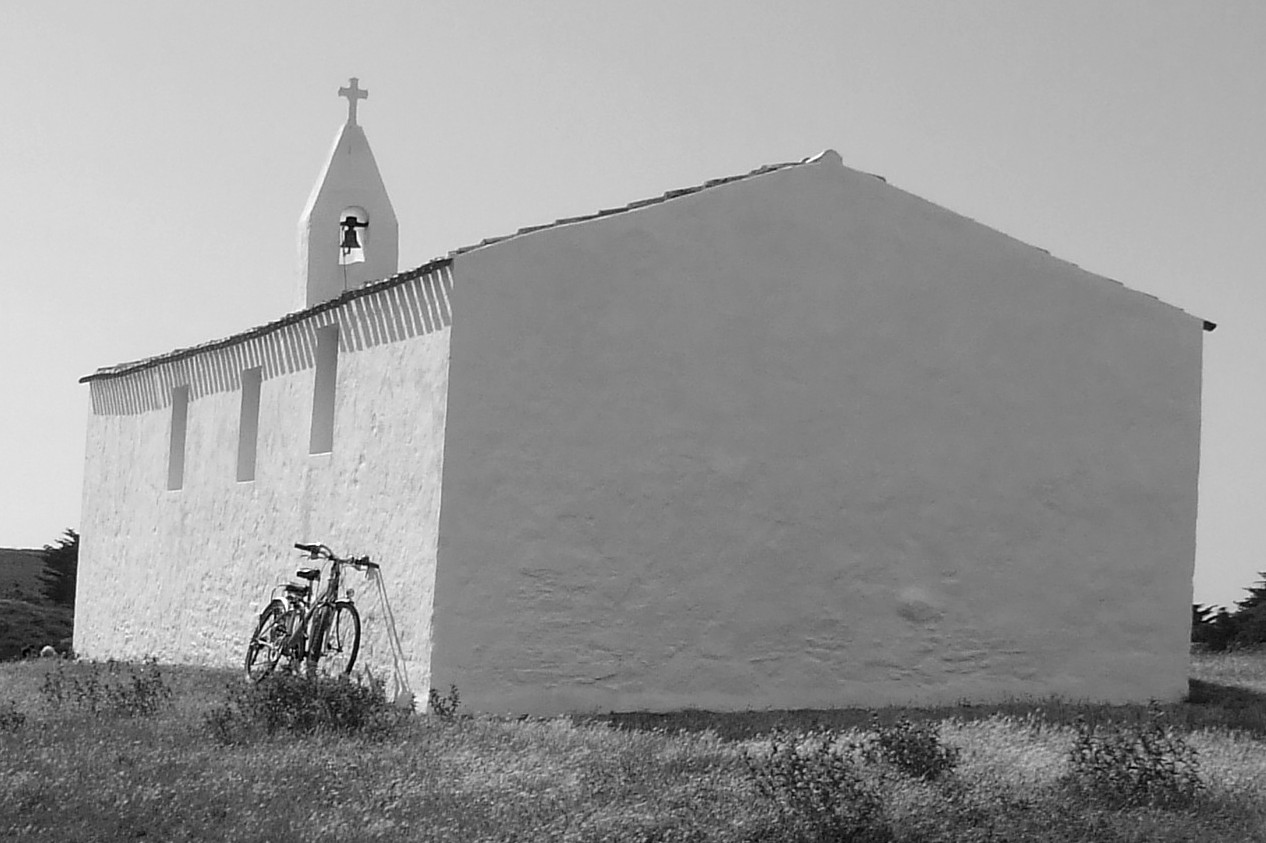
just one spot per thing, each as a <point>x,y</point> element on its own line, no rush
<point>67,776</point>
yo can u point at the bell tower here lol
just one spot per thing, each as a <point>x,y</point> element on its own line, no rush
<point>348,233</point>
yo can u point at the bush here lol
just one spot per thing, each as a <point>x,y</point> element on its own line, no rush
<point>289,702</point>
<point>1133,764</point>
<point>445,706</point>
<point>817,789</point>
<point>913,748</point>
<point>123,689</point>
<point>10,718</point>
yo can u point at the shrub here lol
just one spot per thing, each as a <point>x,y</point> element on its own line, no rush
<point>445,706</point>
<point>1132,764</point>
<point>817,789</point>
<point>298,704</point>
<point>124,690</point>
<point>10,718</point>
<point>913,748</point>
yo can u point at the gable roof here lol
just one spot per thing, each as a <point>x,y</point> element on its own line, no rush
<point>399,278</point>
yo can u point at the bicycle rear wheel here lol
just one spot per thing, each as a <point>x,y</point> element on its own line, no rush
<point>337,640</point>
<point>264,650</point>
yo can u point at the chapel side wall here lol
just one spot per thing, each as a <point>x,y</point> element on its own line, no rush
<point>181,575</point>
<point>806,440</point>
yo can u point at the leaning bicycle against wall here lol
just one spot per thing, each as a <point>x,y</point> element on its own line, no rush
<point>304,631</point>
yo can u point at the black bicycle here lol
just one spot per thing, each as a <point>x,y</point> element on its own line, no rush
<point>304,631</point>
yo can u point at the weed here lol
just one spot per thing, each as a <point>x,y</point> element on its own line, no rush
<point>817,788</point>
<point>10,718</point>
<point>913,748</point>
<point>112,689</point>
<point>287,702</point>
<point>142,692</point>
<point>1133,764</point>
<point>445,706</point>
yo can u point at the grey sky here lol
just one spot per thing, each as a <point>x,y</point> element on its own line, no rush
<point>156,157</point>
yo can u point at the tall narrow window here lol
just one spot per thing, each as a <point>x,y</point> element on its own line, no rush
<point>322,441</point>
<point>248,425</point>
<point>176,449</point>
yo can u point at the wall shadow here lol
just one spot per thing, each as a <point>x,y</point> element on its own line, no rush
<point>405,306</point>
<point>1209,705</point>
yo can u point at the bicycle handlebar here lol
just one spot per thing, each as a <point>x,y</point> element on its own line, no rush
<point>320,551</point>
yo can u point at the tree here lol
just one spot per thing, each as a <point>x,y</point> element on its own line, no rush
<point>1245,626</point>
<point>61,560</point>
<point>1256,595</point>
<point>1215,628</point>
<point>1250,615</point>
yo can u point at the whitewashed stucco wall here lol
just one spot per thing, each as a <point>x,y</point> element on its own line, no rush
<point>807,440</point>
<point>181,574</point>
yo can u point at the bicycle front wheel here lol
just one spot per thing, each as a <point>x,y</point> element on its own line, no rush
<point>337,640</point>
<point>264,650</point>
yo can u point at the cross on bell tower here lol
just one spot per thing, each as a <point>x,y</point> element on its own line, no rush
<point>353,93</point>
<point>348,234</point>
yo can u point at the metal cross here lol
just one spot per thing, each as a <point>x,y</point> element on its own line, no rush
<point>353,94</point>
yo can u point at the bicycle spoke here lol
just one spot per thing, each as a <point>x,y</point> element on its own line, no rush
<point>264,649</point>
<point>339,639</point>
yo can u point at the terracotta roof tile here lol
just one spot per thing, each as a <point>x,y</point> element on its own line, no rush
<point>288,319</point>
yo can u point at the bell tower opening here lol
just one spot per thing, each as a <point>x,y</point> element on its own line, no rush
<point>353,224</point>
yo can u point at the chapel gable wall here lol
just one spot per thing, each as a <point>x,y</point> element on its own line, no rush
<point>806,440</point>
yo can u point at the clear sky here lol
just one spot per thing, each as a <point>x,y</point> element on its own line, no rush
<point>155,157</point>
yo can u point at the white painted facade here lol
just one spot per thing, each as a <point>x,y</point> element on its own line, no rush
<point>797,439</point>
<point>179,574</point>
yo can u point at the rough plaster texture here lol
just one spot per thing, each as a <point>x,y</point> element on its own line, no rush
<point>182,574</point>
<point>349,178</point>
<point>807,440</point>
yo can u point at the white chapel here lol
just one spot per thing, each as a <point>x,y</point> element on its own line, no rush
<point>793,439</point>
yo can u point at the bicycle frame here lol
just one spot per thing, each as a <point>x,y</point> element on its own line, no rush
<point>304,610</point>
<point>328,597</point>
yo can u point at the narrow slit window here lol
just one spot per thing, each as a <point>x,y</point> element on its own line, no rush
<point>176,449</point>
<point>322,441</point>
<point>248,425</point>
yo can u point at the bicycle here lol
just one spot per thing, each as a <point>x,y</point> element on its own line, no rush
<point>305,631</point>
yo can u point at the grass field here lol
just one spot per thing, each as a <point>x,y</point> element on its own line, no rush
<point>21,574</point>
<point>132,764</point>
<point>24,624</point>
<point>27,618</point>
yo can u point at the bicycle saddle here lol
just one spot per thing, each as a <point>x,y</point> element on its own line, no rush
<point>308,574</point>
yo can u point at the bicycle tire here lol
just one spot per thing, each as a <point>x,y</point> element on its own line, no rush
<point>337,640</point>
<point>268,640</point>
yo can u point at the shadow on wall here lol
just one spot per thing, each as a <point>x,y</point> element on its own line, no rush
<point>403,307</point>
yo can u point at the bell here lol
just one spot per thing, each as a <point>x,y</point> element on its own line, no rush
<point>350,240</point>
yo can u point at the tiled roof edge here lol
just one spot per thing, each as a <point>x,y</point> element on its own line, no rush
<point>289,319</point>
